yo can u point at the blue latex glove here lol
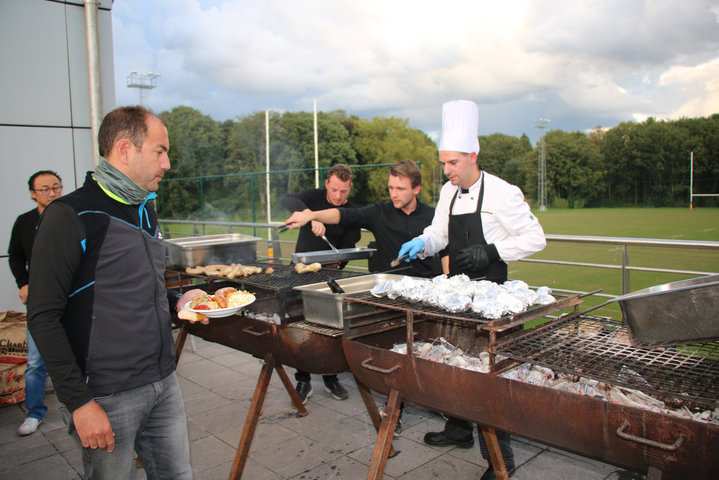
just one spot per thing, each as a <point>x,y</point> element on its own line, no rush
<point>411,248</point>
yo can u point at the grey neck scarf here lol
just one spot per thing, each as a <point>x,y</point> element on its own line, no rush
<point>116,182</point>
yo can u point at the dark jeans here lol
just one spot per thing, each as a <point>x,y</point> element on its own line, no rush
<point>457,428</point>
<point>305,377</point>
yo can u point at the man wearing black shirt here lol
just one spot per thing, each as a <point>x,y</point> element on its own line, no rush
<point>45,186</point>
<point>337,189</point>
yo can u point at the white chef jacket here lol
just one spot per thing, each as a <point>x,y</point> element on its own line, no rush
<point>507,221</point>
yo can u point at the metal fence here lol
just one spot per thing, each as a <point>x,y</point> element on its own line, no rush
<point>271,245</point>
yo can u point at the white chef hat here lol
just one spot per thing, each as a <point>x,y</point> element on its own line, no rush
<point>460,124</point>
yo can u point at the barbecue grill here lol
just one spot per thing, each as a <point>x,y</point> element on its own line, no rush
<point>658,444</point>
<point>290,341</point>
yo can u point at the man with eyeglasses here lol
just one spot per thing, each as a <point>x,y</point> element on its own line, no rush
<point>45,186</point>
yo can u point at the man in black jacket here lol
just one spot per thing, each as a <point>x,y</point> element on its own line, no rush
<point>45,186</point>
<point>338,185</point>
<point>100,313</point>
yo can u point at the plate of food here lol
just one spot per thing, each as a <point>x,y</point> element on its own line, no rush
<point>225,302</point>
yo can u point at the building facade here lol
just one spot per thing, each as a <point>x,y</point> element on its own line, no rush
<point>45,103</point>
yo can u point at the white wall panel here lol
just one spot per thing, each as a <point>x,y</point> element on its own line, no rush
<point>33,55</point>
<point>44,83</point>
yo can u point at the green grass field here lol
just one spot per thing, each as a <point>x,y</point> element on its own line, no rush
<point>659,223</point>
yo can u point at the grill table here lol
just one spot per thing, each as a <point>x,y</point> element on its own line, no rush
<point>293,342</point>
<point>658,444</point>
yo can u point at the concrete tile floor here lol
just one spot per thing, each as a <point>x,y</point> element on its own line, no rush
<point>335,440</point>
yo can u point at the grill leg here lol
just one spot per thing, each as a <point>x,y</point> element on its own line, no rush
<point>495,454</point>
<point>248,432</point>
<point>301,410</point>
<point>372,410</point>
<point>180,342</point>
<point>384,437</point>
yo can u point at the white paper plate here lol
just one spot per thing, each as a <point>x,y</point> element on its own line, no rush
<point>219,312</point>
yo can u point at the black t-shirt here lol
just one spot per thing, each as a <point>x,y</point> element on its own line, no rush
<point>391,228</point>
<point>316,199</point>
<point>20,248</point>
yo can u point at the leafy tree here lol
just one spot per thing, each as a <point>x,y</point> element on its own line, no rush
<point>196,147</point>
<point>574,169</point>
<point>497,149</point>
<point>390,140</point>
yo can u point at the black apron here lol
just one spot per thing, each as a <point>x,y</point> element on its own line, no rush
<point>465,230</point>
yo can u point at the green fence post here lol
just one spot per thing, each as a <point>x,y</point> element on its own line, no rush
<point>202,202</point>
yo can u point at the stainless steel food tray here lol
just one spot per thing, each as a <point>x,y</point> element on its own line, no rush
<point>686,311</point>
<point>211,249</point>
<point>325,256</point>
<point>323,307</point>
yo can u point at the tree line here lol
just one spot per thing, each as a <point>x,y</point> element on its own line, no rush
<point>217,166</point>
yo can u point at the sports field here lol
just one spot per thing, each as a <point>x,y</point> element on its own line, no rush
<point>660,223</point>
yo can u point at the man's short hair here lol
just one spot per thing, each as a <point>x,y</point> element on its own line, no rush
<point>31,182</point>
<point>408,169</point>
<point>124,122</point>
<point>341,171</point>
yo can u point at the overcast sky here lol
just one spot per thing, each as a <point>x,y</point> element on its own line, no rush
<point>579,64</point>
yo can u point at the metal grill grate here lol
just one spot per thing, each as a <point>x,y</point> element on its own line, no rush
<point>536,311</point>
<point>599,348</point>
<point>314,328</point>
<point>283,279</point>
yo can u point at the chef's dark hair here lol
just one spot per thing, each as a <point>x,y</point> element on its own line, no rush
<point>124,122</point>
<point>341,171</point>
<point>31,182</point>
<point>407,169</point>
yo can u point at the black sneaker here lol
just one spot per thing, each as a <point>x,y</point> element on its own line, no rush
<point>439,439</point>
<point>304,390</point>
<point>490,474</point>
<point>334,388</point>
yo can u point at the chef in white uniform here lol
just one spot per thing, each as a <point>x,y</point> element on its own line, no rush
<point>483,222</point>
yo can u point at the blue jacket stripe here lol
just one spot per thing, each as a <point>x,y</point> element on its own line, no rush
<point>81,289</point>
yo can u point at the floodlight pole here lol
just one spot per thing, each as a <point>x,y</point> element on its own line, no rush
<point>542,173</point>
<point>144,83</point>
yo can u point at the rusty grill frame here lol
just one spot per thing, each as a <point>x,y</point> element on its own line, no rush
<point>599,348</point>
<point>482,323</point>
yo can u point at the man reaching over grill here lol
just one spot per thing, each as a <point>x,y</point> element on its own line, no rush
<point>310,239</point>
<point>391,222</point>
<point>483,222</point>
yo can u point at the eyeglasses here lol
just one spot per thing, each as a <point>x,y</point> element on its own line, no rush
<point>46,190</point>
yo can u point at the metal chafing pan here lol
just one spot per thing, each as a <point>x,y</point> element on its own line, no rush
<point>211,249</point>
<point>323,307</point>
<point>326,256</point>
<point>686,311</point>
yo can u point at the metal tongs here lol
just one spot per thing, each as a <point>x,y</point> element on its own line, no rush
<point>286,226</point>
<point>397,261</point>
<point>329,243</point>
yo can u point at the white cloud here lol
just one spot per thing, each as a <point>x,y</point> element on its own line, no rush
<point>699,85</point>
<point>584,63</point>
